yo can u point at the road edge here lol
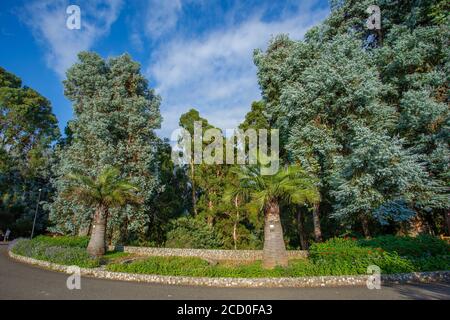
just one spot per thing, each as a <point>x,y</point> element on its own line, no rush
<point>298,282</point>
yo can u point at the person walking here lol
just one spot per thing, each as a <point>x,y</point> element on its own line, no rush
<point>7,233</point>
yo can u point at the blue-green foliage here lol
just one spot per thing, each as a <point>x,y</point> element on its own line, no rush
<point>368,116</point>
<point>115,117</point>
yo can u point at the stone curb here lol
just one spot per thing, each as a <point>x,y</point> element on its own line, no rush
<point>300,282</point>
<point>212,254</point>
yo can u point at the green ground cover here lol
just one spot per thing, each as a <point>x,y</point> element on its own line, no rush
<point>336,256</point>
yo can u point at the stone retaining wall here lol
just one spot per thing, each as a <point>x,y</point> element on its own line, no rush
<point>300,282</point>
<point>241,255</point>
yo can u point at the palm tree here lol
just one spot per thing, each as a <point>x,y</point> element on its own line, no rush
<point>106,191</point>
<point>289,186</point>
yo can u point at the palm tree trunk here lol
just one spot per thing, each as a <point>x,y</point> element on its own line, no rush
<point>316,222</point>
<point>301,230</point>
<point>97,244</point>
<point>275,253</point>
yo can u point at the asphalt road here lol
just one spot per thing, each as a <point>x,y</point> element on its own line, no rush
<point>22,281</point>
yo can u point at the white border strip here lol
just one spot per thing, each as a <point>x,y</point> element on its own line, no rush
<point>297,282</point>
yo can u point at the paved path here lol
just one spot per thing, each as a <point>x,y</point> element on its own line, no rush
<point>22,281</point>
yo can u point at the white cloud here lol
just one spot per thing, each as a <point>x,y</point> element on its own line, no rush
<point>215,73</point>
<point>161,16</point>
<point>47,20</point>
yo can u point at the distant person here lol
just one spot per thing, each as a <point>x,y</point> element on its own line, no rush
<point>1,233</point>
<point>8,232</point>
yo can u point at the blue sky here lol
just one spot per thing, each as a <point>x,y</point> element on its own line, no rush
<point>195,53</point>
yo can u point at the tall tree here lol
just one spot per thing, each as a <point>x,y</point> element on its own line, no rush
<point>187,122</point>
<point>345,83</point>
<point>115,117</point>
<point>27,129</point>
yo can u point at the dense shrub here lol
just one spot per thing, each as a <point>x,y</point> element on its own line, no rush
<point>421,246</point>
<point>345,256</point>
<point>192,233</point>
<point>42,249</point>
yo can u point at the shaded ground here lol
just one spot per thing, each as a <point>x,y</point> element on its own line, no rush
<point>21,281</point>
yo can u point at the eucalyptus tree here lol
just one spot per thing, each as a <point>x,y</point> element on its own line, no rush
<point>343,83</point>
<point>116,114</point>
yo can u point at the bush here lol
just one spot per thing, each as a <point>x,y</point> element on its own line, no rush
<point>421,246</point>
<point>345,256</point>
<point>192,233</point>
<point>39,248</point>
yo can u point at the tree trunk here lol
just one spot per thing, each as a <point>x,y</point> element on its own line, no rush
<point>194,200</point>
<point>365,226</point>
<point>447,218</point>
<point>236,205</point>
<point>301,230</point>
<point>274,252</point>
<point>316,221</point>
<point>97,244</point>
<point>417,225</point>
<point>210,218</point>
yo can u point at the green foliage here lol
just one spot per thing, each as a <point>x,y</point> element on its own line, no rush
<point>347,255</point>
<point>107,189</point>
<point>63,241</point>
<point>172,199</point>
<point>113,255</point>
<point>192,233</point>
<point>27,129</point>
<point>421,246</point>
<point>288,185</point>
<point>339,256</point>
<point>335,257</point>
<point>61,251</point>
<point>365,112</point>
